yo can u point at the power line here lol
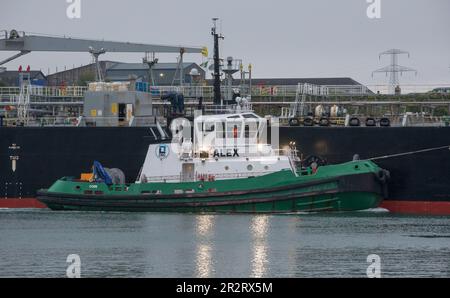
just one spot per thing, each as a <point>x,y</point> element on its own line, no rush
<point>394,69</point>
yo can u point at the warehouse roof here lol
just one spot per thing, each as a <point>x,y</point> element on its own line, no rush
<point>15,74</point>
<point>142,66</point>
<point>340,81</point>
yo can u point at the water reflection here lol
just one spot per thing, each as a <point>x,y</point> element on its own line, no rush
<point>259,228</point>
<point>204,225</point>
<point>187,245</point>
<point>204,228</point>
<point>294,262</point>
<point>203,262</point>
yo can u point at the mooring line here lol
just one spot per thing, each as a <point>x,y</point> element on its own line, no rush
<point>411,152</point>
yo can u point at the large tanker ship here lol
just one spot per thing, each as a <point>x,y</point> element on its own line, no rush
<point>32,158</point>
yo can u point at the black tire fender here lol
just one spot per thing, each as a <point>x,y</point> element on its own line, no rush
<point>324,121</point>
<point>383,175</point>
<point>354,121</point>
<point>308,122</point>
<point>294,122</point>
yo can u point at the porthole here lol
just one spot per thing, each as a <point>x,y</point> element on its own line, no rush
<point>227,168</point>
<point>249,167</point>
<point>266,168</point>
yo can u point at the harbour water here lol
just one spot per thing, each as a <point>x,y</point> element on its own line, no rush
<point>36,243</point>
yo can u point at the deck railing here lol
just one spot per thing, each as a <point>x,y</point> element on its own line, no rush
<point>81,121</point>
<point>196,178</point>
<point>410,119</point>
<point>269,92</point>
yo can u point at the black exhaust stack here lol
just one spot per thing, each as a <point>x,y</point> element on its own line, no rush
<point>216,74</point>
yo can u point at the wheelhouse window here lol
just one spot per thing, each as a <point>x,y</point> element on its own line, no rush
<point>209,126</point>
<point>220,130</point>
<point>206,126</point>
<point>234,130</point>
<point>251,130</point>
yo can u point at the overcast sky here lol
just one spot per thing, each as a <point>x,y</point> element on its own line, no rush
<point>282,38</point>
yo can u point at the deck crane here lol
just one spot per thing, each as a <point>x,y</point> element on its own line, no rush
<point>26,43</point>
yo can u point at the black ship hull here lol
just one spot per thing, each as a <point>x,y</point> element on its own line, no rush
<point>34,157</point>
<point>418,159</point>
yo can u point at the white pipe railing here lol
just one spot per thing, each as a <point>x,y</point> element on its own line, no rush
<point>180,177</point>
<point>272,91</point>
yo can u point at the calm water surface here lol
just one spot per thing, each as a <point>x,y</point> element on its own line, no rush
<point>36,243</point>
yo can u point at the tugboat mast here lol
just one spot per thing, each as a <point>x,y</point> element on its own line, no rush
<point>216,74</point>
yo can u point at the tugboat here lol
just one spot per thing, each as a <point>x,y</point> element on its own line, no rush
<point>227,167</point>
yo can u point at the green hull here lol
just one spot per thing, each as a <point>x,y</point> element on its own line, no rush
<point>351,186</point>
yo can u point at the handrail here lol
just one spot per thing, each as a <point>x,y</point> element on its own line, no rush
<point>228,109</point>
<point>220,175</point>
<point>78,121</point>
<point>45,91</point>
<point>262,91</point>
<point>415,119</point>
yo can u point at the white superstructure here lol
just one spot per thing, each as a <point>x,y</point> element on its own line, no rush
<point>225,146</point>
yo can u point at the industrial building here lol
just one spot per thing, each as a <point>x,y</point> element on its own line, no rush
<point>78,75</point>
<point>167,74</point>
<point>338,81</point>
<point>164,74</point>
<point>12,77</point>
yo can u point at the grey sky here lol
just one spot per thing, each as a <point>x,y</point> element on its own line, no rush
<point>283,38</point>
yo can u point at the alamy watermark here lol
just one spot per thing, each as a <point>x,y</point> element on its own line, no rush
<point>73,10</point>
<point>374,269</point>
<point>74,269</point>
<point>374,9</point>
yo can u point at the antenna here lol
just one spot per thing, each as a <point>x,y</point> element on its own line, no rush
<point>150,62</point>
<point>394,69</point>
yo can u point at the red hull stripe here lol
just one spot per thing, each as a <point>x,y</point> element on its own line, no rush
<point>417,207</point>
<point>405,207</point>
<point>21,203</point>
